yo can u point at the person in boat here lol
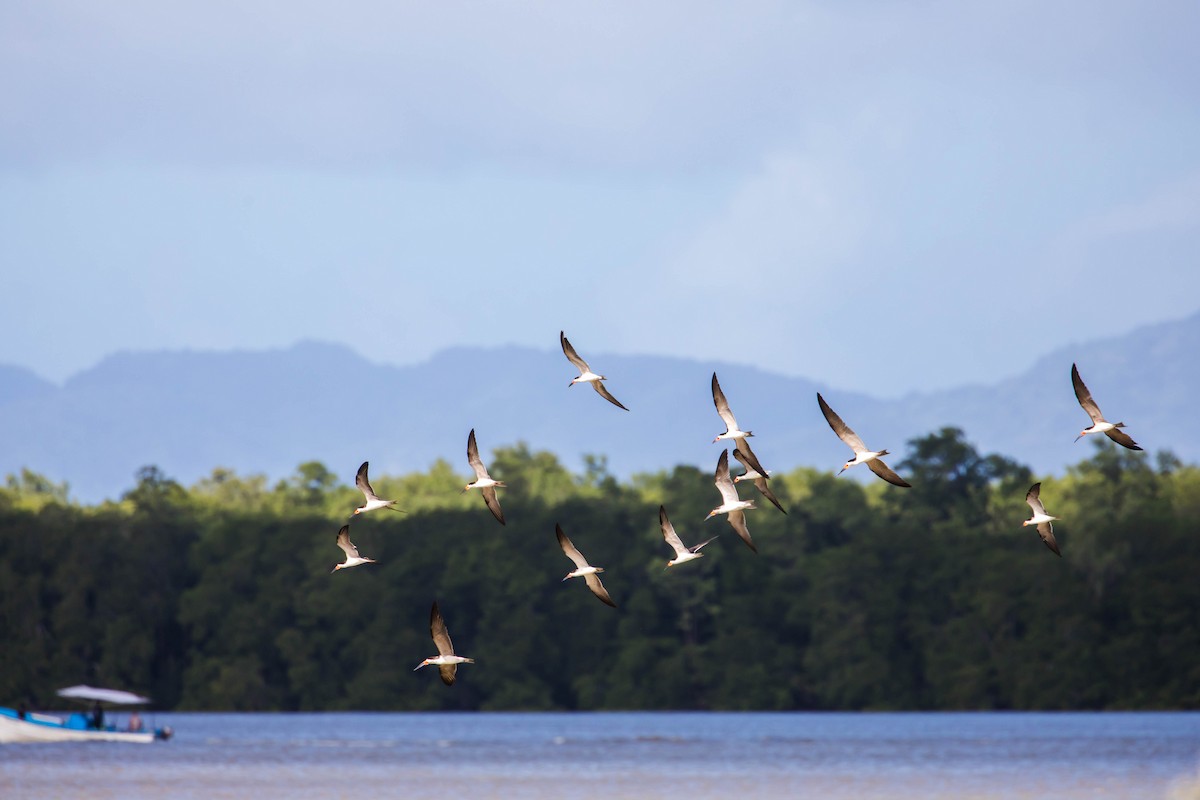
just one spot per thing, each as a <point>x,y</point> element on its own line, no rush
<point>21,710</point>
<point>135,722</point>
<point>97,716</point>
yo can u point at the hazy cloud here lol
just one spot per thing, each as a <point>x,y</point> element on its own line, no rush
<point>658,85</point>
<point>792,184</point>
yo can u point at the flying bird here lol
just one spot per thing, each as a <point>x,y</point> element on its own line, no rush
<point>682,553</point>
<point>1099,423</point>
<point>861,454</point>
<point>1040,518</point>
<point>353,559</point>
<point>732,431</point>
<point>585,372</point>
<point>731,505</point>
<point>583,568</point>
<point>483,482</point>
<point>751,474</point>
<point>373,500</point>
<point>446,662</point>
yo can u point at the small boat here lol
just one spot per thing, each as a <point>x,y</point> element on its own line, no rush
<point>20,726</point>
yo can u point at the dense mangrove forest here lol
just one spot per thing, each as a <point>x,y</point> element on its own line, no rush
<point>220,595</point>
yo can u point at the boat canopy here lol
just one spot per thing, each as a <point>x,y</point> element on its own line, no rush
<point>114,696</point>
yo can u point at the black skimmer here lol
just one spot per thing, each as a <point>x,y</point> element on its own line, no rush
<point>682,554</point>
<point>732,431</point>
<point>861,454</point>
<point>731,505</point>
<point>583,568</point>
<point>446,662</point>
<point>751,474</point>
<point>373,500</point>
<point>1099,423</point>
<point>483,482</point>
<point>353,559</point>
<point>1040,518</point>
<point>585,372</point>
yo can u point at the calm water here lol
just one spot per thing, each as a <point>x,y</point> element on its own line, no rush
<point>627,755</point>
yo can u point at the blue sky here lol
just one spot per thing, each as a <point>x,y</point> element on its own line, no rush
<point>885,197</point>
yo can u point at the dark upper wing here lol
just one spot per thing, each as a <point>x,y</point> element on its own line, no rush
<point>1046,531</point>
<point>746,456</point>
<point>364,486</point>
<point>593,582</point>
<point>884,471</point>
<point>441,637</point>
<point>493,503</point>
<point>722,405</point>
<point>1034,498</point>
<point>1084,396</point>
<point>446,671</point>
<point>751,472</point>
<point>343,541</point>
<point>723,482</point>
<point>571,551</point>
<point>473,457</point>
<point>737,521</point>
<point>765,490</point>
<point>607,395</point>
<point>668,532</point>
<point>1122,438</point>
<point>840,428</point>
<point>571,355</point>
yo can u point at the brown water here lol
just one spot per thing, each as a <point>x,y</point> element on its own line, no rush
<point>696,756</point>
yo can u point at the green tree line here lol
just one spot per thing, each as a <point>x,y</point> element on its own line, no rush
<point>864,596</point>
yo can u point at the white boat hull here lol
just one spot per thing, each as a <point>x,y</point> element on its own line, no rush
<point>45,728</point>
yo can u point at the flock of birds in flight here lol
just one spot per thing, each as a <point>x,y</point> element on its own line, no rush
<point>732,506</point>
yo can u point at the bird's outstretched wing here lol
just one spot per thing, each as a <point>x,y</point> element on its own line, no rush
<point>593,583</point>
<point>343,541</point>
<point>1122,438</point>
<point>447,673</point>
<point>493,503</point>
<point>1034,498</point>
<point>1046,532</point>
<point>473,458</point>
<point>437,629</point>
<point>668,532</point>
<point>759,479</point>
<point>722,405</point>
<point>884,471</point>
<point>723,482</point>
<point>570,549</point>
<point>737,521</point>
<point>840,428</point>
<point>1084,396</point>
<point>364,486</point>
<point>603,391</point>
<point>748,459</point>
<point>571,355</point>
<point>765,491</point>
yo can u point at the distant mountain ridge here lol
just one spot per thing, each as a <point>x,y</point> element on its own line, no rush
<point>268,411</point>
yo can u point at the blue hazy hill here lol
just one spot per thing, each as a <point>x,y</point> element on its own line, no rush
<point>267,411</point>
